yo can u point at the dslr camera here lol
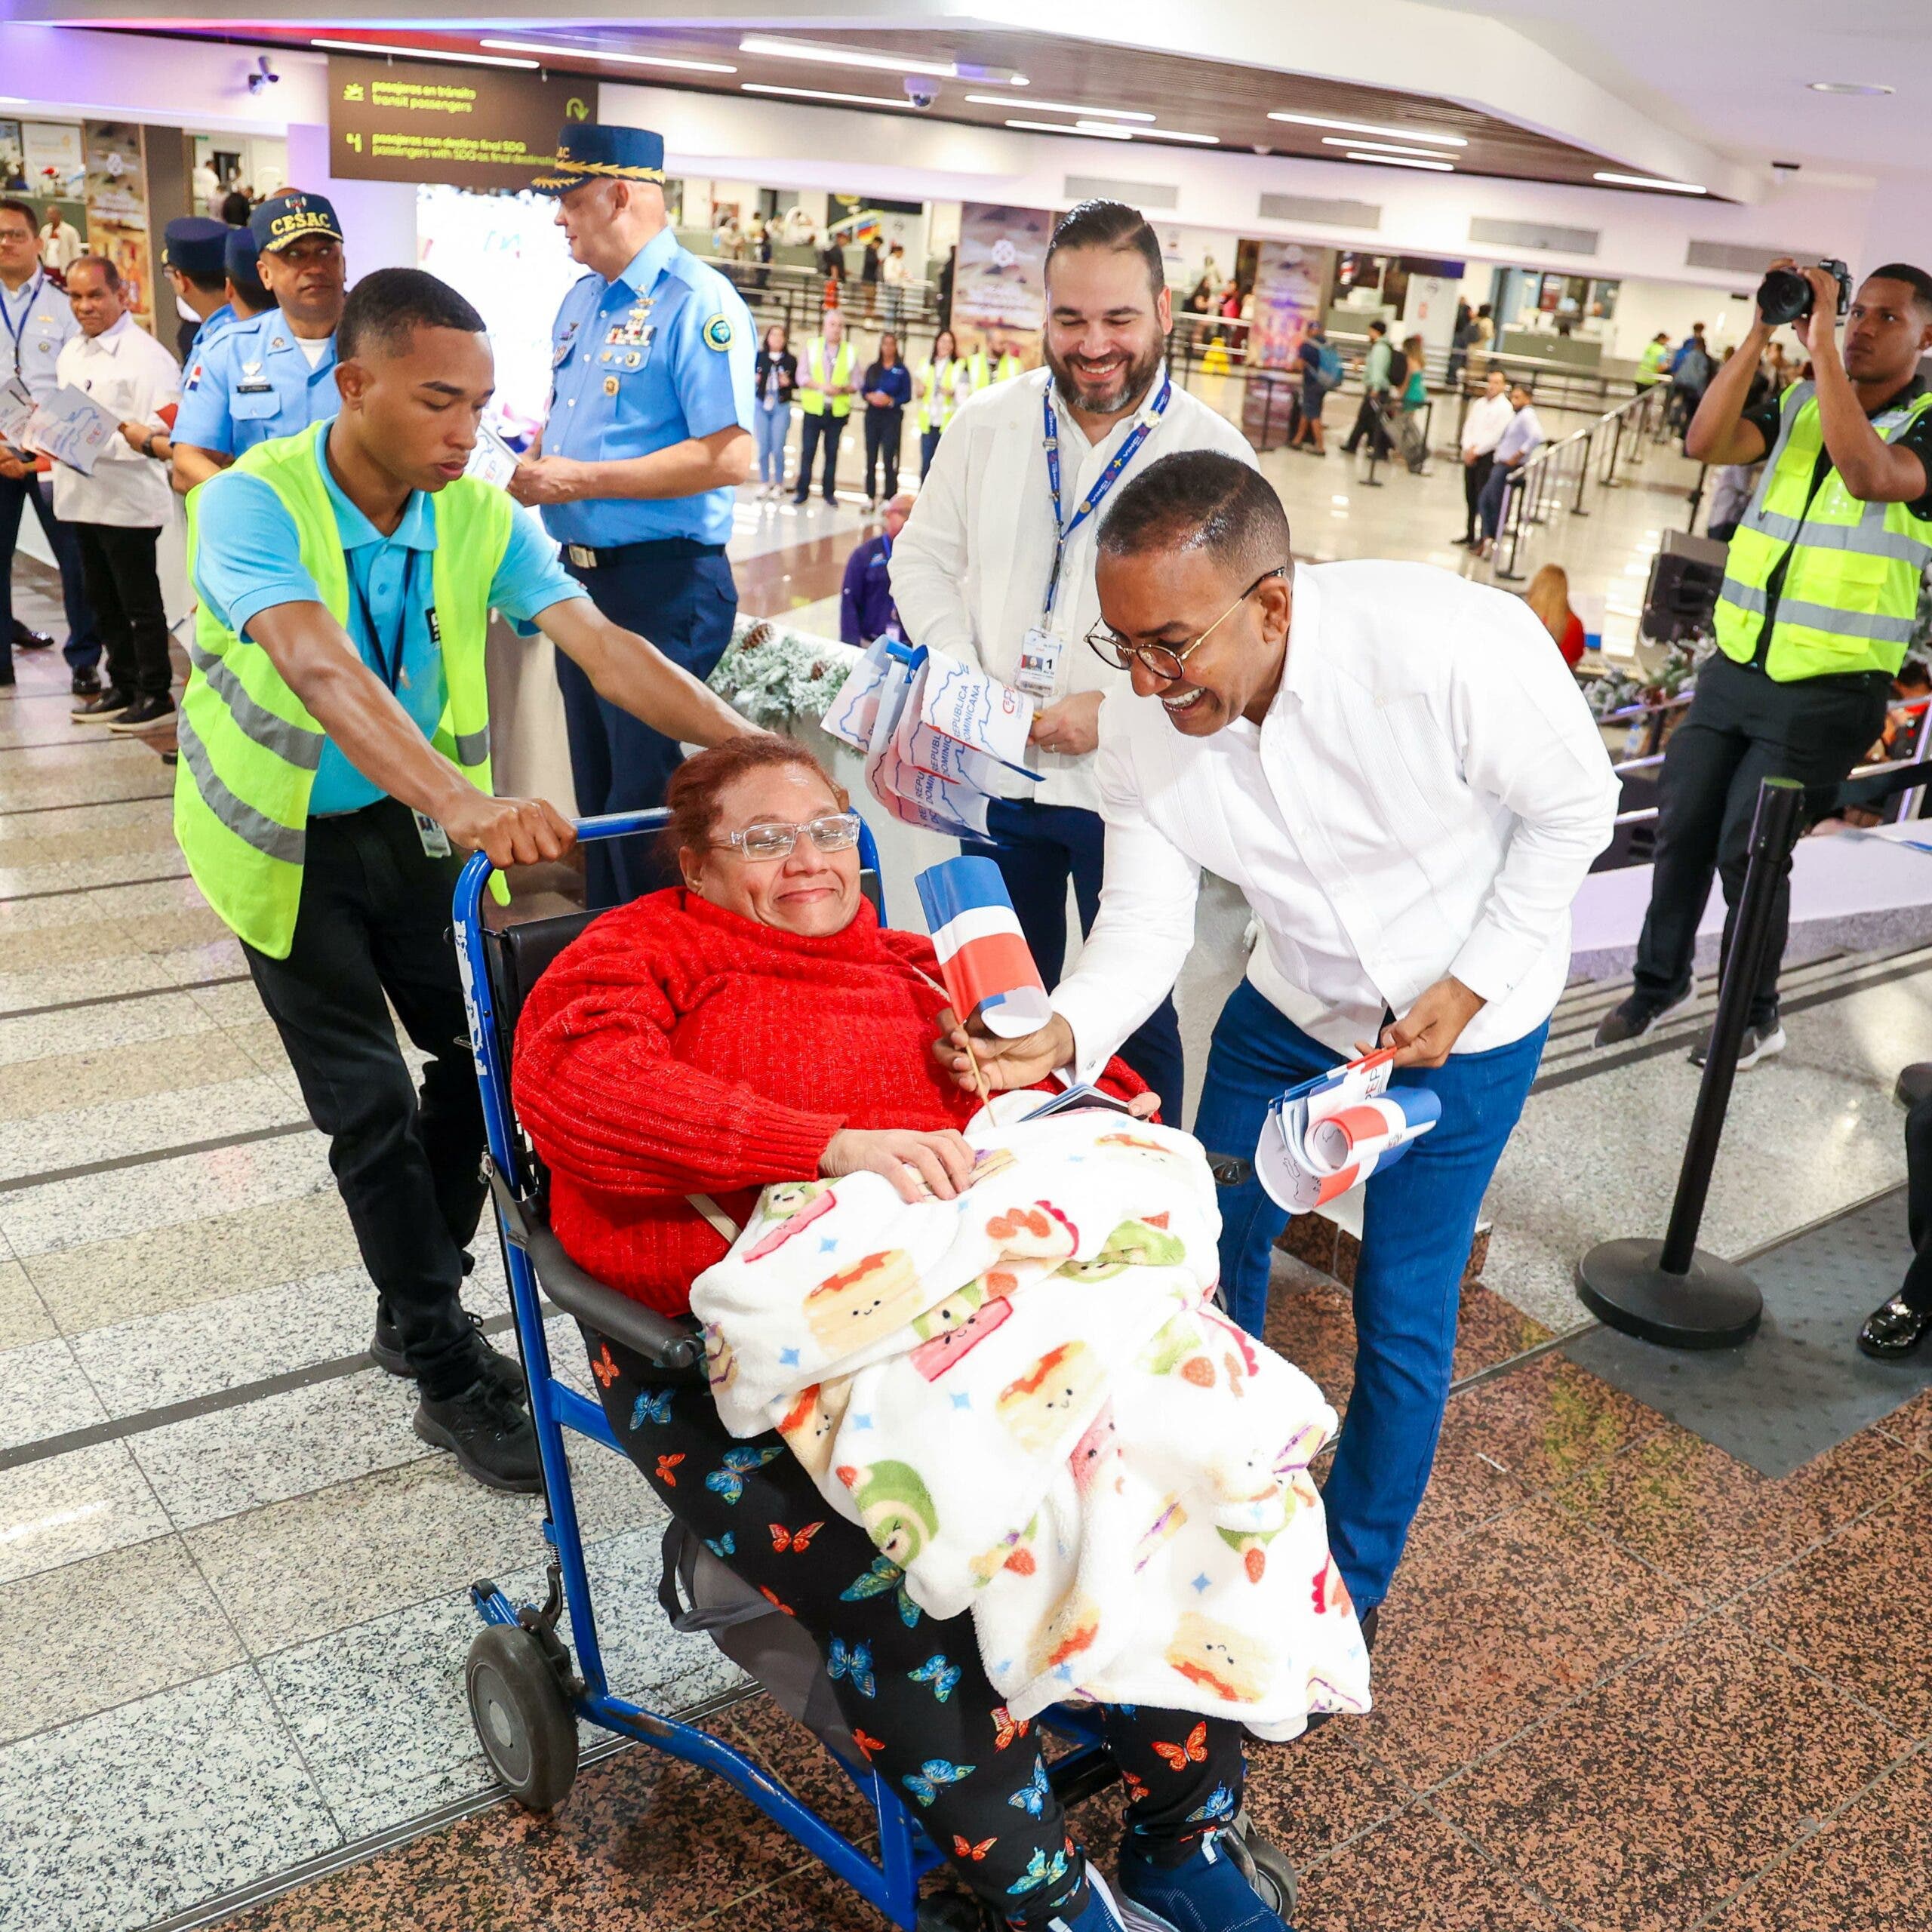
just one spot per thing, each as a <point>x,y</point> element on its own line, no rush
<point>1785,296</point>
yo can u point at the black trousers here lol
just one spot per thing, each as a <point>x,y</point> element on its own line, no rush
<point>1916,1292</point>
<point>1741,729</point>
<point>123,586</point>
<point>681,596</point>
<point>1475,475</point>
<point>374,927</point>
<point>1368,422</point>
<point>912,1688</point>
<point>16,493</point>
<point>883,428</point>
<point>928,443</point>
<point>826,428</point>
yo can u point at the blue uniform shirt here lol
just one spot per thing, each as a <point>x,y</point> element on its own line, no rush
<point>866,608</point>
<point>33,325</point>
<point>662,355</point>
<point>255,561</point>
<point>251,382</point>
<point>213,326</point>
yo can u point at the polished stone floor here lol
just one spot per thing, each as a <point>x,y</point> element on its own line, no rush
<point>1624,1682</point>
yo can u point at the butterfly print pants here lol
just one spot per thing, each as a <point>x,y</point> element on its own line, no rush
<point>912,1688</point>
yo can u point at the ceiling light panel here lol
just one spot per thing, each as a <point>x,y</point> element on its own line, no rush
<point>419,53</point>
<point>1060,107</point>
<point>1649,181</point>
<point>819,93</point>
<point>1376,147</point>
<point>1098,130</point>
<point>616,59</point>
<point>1394,160</point>
<point>1369,127</point>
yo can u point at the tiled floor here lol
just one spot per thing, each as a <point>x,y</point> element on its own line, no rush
<point>1622,1679</point>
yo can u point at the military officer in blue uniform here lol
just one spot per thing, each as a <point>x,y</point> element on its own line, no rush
<point>275,373</point>
<point>193,253</point>
<point>648,436</point>
<point>35,322</point>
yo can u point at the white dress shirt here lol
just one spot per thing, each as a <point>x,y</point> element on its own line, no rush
<point>129,374</point>
<point>1483,426</point>
<point>1423,798</point>
<point>970,569</point>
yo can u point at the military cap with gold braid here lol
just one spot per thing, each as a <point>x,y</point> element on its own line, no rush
<point>591,152</point>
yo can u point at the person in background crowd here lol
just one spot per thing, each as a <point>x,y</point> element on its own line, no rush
<point>1548,597</point>
<point>1522,436</point>
<point>1414,401</point>
<point>1459,342</point>
<point>1894,1330</point>
<point>1691,369</point>
<point>869,270</point>
<point>992,362</point>
<point>193,256</point>
<point>1820,595</point>
<point>1651,365</point>
<point>758,243</point>
<point>826,389</point>
<point>637,468</point>
<point>865,609</point>
<point>60,243</point>
<point>1483,424</point>
<point>995,565</point>
<point>895,274</point>
<point>335,773</point>
<point>1321,370</point>
<point>774,380</point>
<point>944,385</point>
<point>1482,333</point>
<point>207,185</point>
<point>887,388</point>
<point>118,513</point>
<point>236,208</point>
<point>36,322</point>
<point>1375,387</point>
<point>274,374</point>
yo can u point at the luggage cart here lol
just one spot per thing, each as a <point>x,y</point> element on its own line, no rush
<point>527,1688</point>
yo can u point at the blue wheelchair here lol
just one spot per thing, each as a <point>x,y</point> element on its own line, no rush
<point>526,1686</point>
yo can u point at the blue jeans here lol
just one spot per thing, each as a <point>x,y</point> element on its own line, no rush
<point>1037,849</point>
<point>1489,505</point>
<point>928,442</point>
<point>770,428</point>
<point>1419,1219</point>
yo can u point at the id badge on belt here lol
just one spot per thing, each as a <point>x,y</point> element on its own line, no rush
<point>436,840</point>
<point>1039,664</point>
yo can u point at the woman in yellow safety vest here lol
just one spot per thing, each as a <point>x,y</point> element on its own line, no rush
<point>943,385</point>
<point>826,389</point>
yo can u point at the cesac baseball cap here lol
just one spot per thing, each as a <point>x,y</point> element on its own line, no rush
<point>284,219</point>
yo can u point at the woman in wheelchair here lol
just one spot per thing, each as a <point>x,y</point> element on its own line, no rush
<point>759,1026</point>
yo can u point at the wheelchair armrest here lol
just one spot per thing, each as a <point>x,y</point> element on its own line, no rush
<point>658,1338</point>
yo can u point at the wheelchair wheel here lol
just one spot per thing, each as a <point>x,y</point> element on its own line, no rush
<point>1266,1866</point>
<point>523,1719</point>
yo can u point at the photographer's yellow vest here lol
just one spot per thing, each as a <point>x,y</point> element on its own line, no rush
<point>1850,592</point>
<point>811,390</point>
<point>250,746</point>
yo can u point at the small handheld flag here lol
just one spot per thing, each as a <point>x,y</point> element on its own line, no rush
<point>982,955</point>
<point>1324,1136</point>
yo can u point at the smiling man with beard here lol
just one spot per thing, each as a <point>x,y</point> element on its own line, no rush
<point>995,565</point>
<point>1401,776</point>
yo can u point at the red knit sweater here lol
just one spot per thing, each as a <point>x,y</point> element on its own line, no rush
<point>679,1048</point>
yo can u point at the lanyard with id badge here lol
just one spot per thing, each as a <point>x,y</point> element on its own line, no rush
<point>1040,649</point>
<point>388,654</point>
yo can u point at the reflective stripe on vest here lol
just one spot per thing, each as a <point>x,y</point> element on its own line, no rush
<point>938,380</point>
<point>250,746</point>
<point>1849,595</point>
<point>811,394</point>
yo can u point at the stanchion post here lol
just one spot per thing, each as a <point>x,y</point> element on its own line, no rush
<point>1671,1292</point>
<point>1584,472</point>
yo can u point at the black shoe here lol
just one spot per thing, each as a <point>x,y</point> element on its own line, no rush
<point>145,713</point>
<point>1913,1083</point>
<point>111,702</point>
<point>1758,1043</point>
<point>492,1437</point>
<point>500,1370</point>
<point>26,640</point>
<point>1463,543</point>
<point>86,682</point>
<point>1893,1332</point>
<point>385,1346</point>
<point>1636,1017</point>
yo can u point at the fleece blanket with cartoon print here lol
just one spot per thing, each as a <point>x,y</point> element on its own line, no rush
<point>1027,1398</point>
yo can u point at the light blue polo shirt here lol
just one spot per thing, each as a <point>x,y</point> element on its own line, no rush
<point>251,381</point>
<point>248,558</point>
<point>663,354</point>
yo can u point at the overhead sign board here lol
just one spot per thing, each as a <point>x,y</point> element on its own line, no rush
<point>469,127</point>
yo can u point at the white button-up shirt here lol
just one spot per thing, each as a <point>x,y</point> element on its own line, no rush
<point>130,375</point>
<point>1484,424</point>
<point>1423,798</point>
<point>970,569</point>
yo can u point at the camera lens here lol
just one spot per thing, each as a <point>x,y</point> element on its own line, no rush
<point>1783,296</point>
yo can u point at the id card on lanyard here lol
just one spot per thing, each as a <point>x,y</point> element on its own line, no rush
<point>1040,649</point>
<point>17,332</point>
<point>389,656</point>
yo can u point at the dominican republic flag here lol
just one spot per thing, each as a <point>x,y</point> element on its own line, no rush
<point>984,958</point>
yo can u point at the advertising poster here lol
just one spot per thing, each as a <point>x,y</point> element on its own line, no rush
<point>1290,287</point>
<point>999,287</point>
<point>56,163</point>
<point>13,158</point>
<point>117,197</point>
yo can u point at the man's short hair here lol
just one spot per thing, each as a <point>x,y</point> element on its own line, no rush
<point>1378,327</point>
<point>1200,499</point>
<point>388,305</point>
<point>1916,279</point>
<point>25,209</point>
<point>110,273</point>
<point>1109,225</point>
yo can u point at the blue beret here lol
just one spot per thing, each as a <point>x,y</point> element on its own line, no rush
<point>591,152</point>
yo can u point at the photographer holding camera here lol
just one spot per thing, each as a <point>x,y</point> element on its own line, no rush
<point>1820,591</point>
